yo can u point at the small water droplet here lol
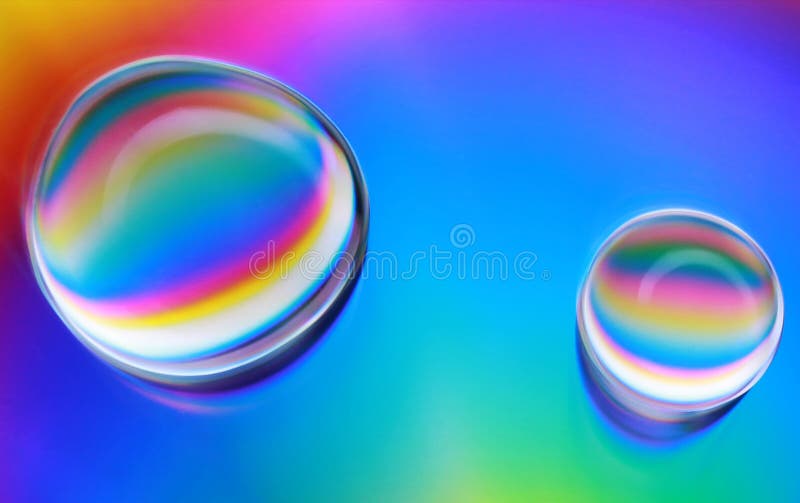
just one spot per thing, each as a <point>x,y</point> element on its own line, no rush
<point>679,315</point>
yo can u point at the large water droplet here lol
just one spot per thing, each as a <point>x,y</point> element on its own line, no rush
<point>172,220</point>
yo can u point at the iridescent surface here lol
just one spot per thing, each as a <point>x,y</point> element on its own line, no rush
<point>170,219</point>
<point>554,123</point>
<point>680,314</point>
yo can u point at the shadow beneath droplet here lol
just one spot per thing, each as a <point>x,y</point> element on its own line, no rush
<point>243,389</point>
<point>634,426</point>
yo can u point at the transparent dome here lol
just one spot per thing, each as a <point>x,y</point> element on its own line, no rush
<point>192,220</point>
<point>680,314</point>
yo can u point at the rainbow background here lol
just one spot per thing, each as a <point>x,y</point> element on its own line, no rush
<point>541,125</point>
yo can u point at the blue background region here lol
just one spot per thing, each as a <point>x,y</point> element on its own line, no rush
<point>543,127</point>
